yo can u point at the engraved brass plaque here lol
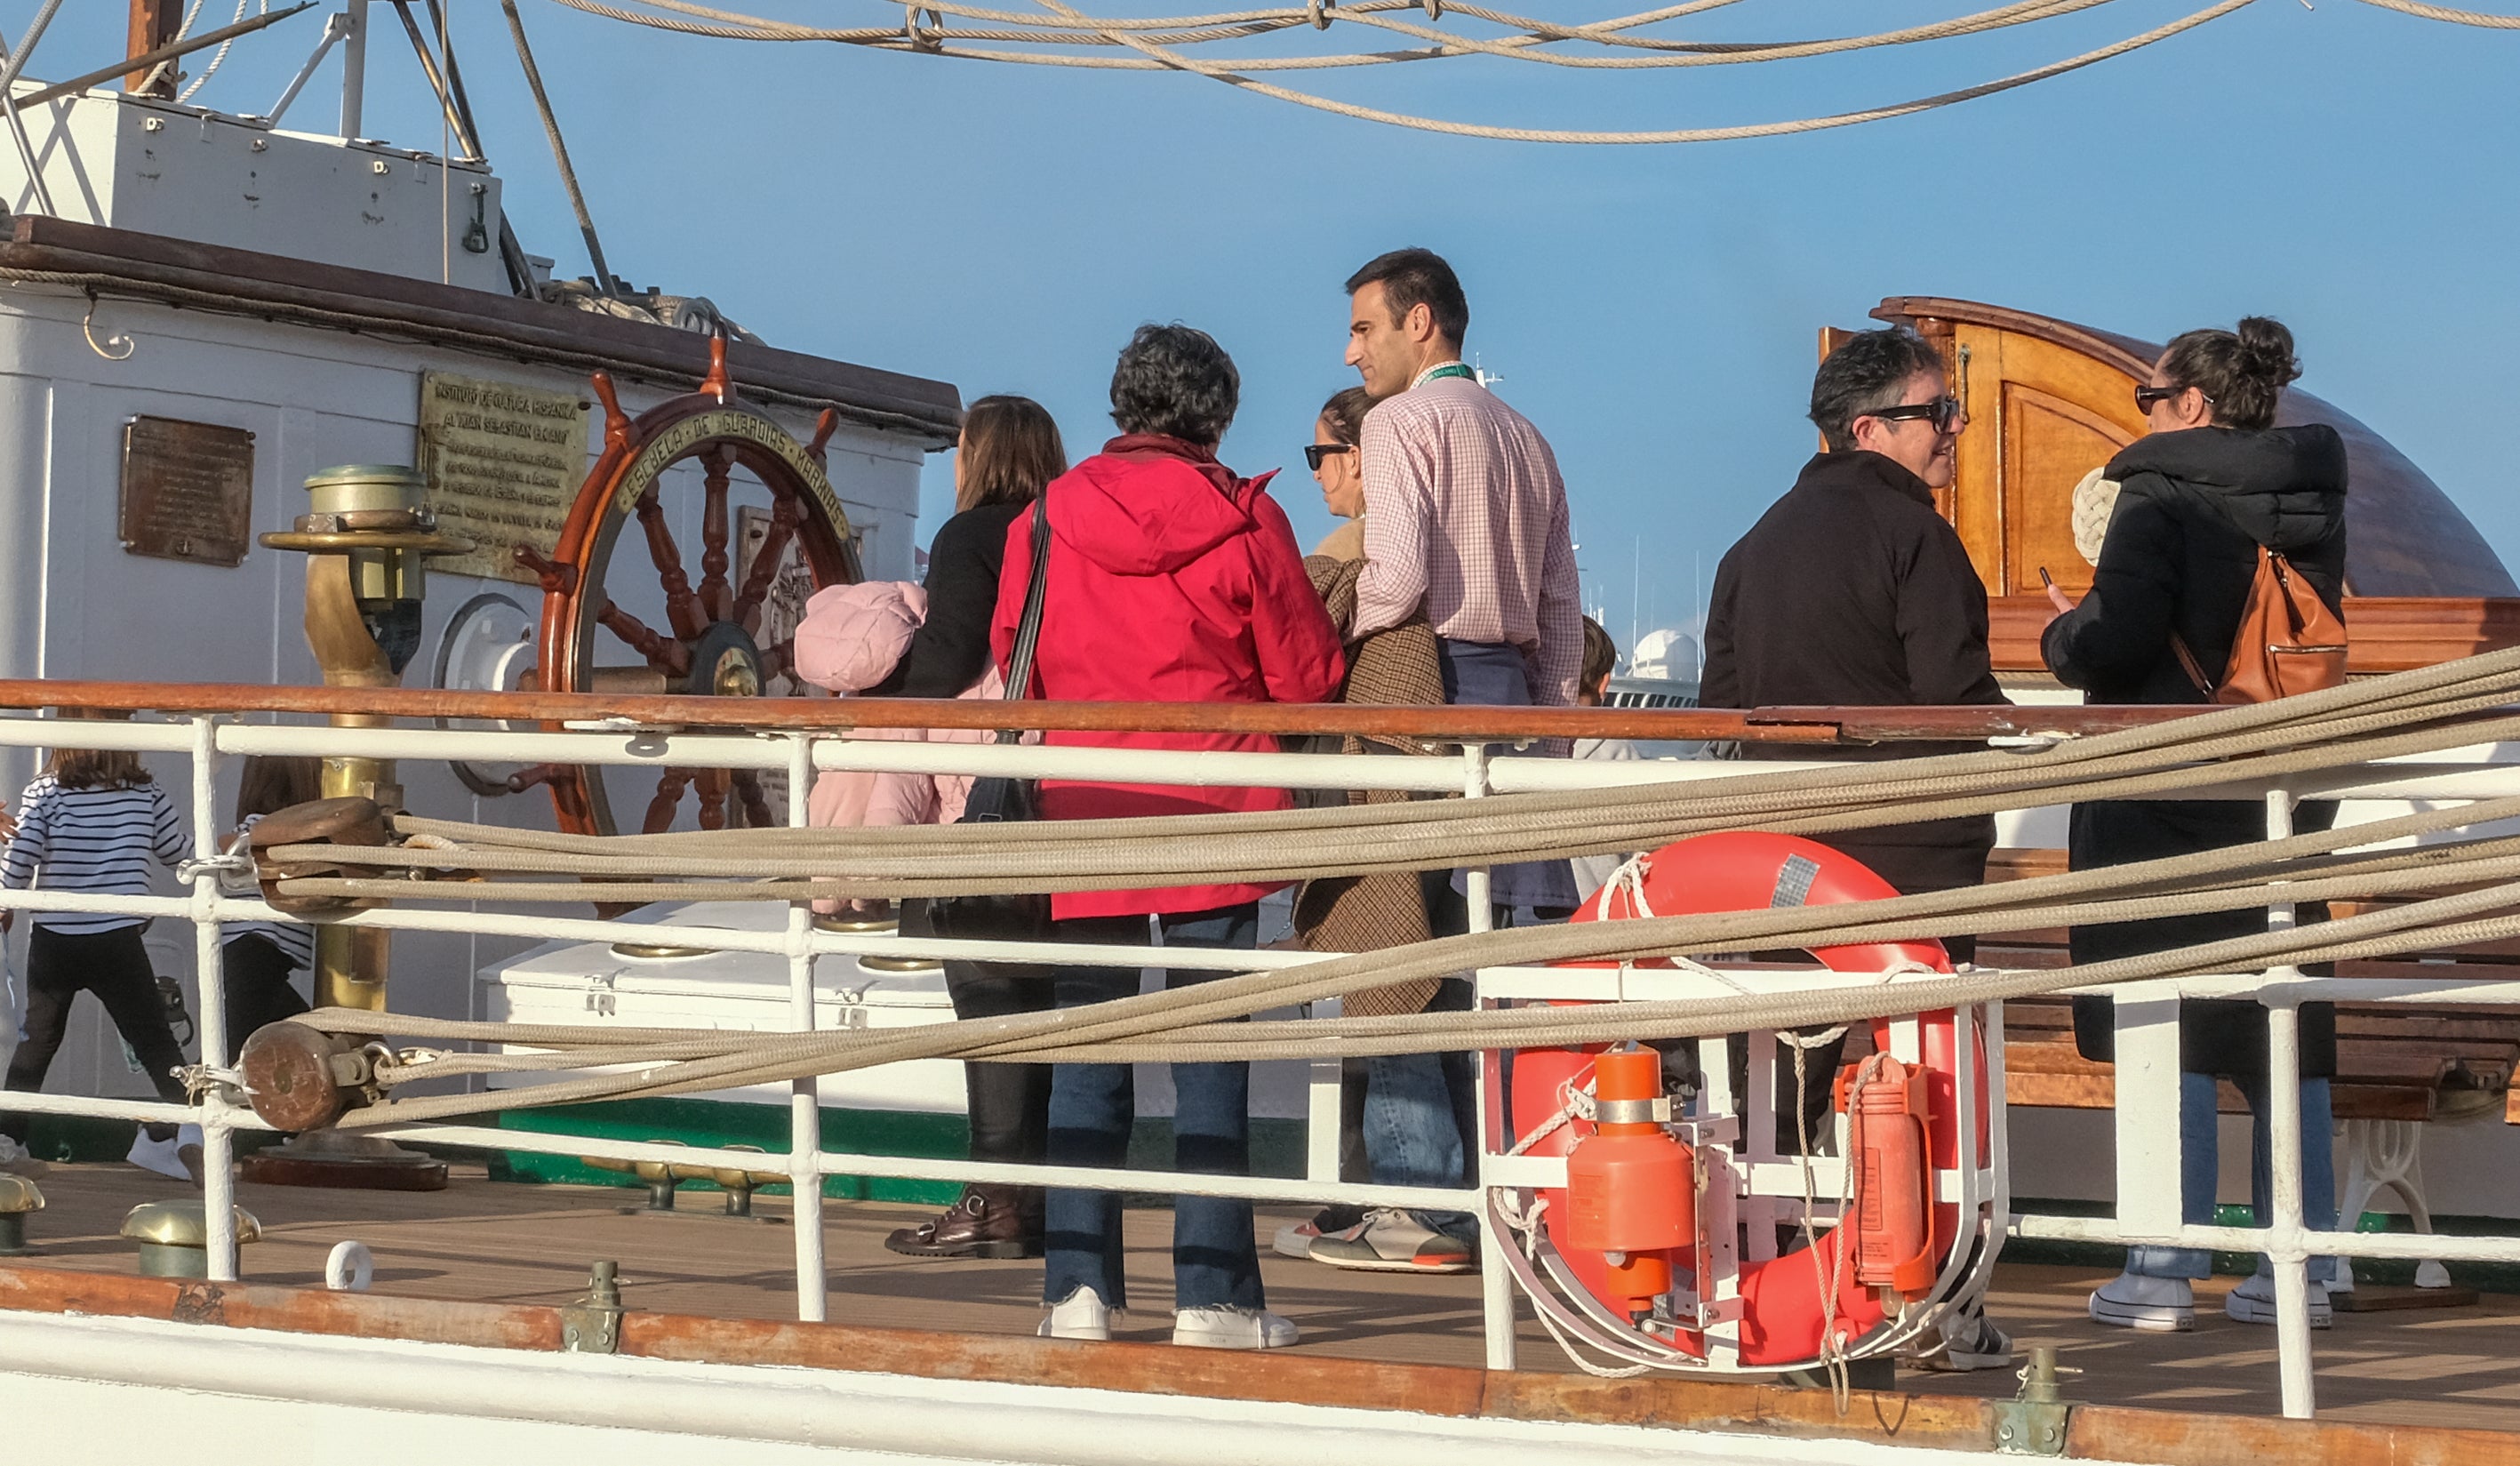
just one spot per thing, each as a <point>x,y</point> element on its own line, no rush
<point>504,463</point>
<point>186,491</point>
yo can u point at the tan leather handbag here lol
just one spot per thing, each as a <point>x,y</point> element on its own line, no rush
<point>2288,642</point>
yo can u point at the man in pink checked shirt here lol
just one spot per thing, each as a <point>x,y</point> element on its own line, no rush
<point>1464,520</point>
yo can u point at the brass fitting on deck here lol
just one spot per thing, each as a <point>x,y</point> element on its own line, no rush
<point>174,1237</point>
<point>17,1197</point>
<point>368,538</point>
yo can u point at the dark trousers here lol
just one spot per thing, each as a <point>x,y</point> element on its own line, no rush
<point>259,992</point>
<point>115,967</point>
<point>1009,1102</point>
<point>1216,1260</point>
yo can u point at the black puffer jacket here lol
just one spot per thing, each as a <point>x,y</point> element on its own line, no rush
<point>2183,549</point>
<point>2180,555</point>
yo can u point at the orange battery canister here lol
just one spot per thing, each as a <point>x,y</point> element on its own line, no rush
<point>1630,1187</point>
<point>1894,1230</point>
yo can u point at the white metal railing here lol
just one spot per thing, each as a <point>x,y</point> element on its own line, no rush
<point>2146,1118</point>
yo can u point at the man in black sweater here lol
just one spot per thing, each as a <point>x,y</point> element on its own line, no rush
<point>1852,590</point>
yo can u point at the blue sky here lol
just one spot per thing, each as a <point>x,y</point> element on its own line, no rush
<point>1653,310</point>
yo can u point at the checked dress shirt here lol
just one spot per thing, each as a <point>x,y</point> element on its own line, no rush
<point>1466,513</point>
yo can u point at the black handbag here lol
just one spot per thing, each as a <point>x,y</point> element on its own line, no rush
<point>999,800</point>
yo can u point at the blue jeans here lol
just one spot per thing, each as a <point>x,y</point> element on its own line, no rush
<point>1413,1130</point>
<point>1216,1260</point>
<point>2199,1169</point>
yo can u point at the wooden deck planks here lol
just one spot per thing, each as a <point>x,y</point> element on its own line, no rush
<point>481,1241</point>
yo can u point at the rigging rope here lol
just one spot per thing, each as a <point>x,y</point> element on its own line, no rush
<point>1154,39</point>
<point>2428,709</point>
<point>560,151</point>
<point>2445,14</point>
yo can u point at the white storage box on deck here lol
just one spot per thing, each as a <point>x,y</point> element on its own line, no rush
<point>597,984</point>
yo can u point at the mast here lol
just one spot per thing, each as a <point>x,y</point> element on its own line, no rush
<point>154,23</point>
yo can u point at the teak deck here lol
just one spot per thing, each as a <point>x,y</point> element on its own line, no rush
<point>487,1242</point>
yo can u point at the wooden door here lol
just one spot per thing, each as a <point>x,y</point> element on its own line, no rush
<point>2041,417</point>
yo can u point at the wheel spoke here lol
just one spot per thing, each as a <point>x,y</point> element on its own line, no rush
<point>669,797</point>
<point>779,660</point>
<point>682,607</point>
<point>663,652</point>
<point>784,517</point>
<point>756,804</point>
<point>717,597</point>
<point>712,791</point>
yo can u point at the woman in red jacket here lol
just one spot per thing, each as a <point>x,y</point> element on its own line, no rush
<point>1172,579</point>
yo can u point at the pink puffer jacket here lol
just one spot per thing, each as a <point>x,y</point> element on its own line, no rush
<point>851,638</point>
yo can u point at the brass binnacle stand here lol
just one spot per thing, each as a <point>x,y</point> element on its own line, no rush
<point>367,541</point>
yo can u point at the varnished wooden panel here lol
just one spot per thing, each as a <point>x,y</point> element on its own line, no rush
<point>2050,444</point>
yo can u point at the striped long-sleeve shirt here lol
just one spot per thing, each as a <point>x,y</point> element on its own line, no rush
<point>297,942</point>
<point>96,842</point>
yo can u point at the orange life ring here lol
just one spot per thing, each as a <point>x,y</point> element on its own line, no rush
<point>1781,1312</point>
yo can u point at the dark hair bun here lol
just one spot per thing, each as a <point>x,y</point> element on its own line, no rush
<point>2265,352</point>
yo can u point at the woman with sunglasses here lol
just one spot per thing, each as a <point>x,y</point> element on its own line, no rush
<point>2213,480</point>
<point>1333,457</point>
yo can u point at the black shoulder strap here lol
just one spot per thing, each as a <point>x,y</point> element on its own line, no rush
<point>1028,629</point>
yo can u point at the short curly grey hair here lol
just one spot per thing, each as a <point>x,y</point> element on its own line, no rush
<point>1176,381</point>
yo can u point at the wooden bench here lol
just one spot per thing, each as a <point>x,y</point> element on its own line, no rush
<point>2397,1066</point>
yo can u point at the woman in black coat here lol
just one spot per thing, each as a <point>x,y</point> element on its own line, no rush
<point>1008,449</point>
<point>2213,481</point>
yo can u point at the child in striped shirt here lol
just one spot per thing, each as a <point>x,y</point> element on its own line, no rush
<point>258,958</point>
<point>90,824</point>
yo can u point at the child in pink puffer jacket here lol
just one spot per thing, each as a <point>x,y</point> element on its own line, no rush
<point>851,639</point>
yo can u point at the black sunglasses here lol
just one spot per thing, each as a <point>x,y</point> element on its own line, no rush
<point>2146,397</point>
<point>1941,412</point>
<point>1315,453</point>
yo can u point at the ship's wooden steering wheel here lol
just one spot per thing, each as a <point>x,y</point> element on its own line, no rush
<point>711,641</point>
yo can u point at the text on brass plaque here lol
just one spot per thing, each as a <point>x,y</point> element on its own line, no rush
<point>503,463</point>
<point>186,491</point>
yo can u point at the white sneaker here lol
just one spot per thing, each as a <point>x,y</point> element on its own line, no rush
<point>1082,1314</point>
<point>1968,1340</point>
<point>1391,1240</point>
<point>1296,1238</point>
<point>2154,1306</point>
<point>158,1157</point>
<point>2254,1302</point>
<point>1228,1327</point>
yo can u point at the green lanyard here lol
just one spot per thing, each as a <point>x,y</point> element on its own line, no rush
<point>1449,369</point>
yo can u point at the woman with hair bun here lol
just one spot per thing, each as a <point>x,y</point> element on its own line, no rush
<point>2212,481</point>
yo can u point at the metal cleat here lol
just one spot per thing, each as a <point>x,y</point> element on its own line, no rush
<point>592,1325</point>
<point>2033,1423</point>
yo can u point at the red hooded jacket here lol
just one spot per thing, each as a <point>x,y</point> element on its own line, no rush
<point>1172,579</point>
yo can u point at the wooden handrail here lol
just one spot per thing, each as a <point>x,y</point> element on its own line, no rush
<point>1782,725</point>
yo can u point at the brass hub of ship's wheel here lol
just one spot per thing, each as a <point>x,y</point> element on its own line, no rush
<point>717,637</point>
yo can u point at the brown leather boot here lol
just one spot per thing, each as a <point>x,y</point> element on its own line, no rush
<point>989,1222</point>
